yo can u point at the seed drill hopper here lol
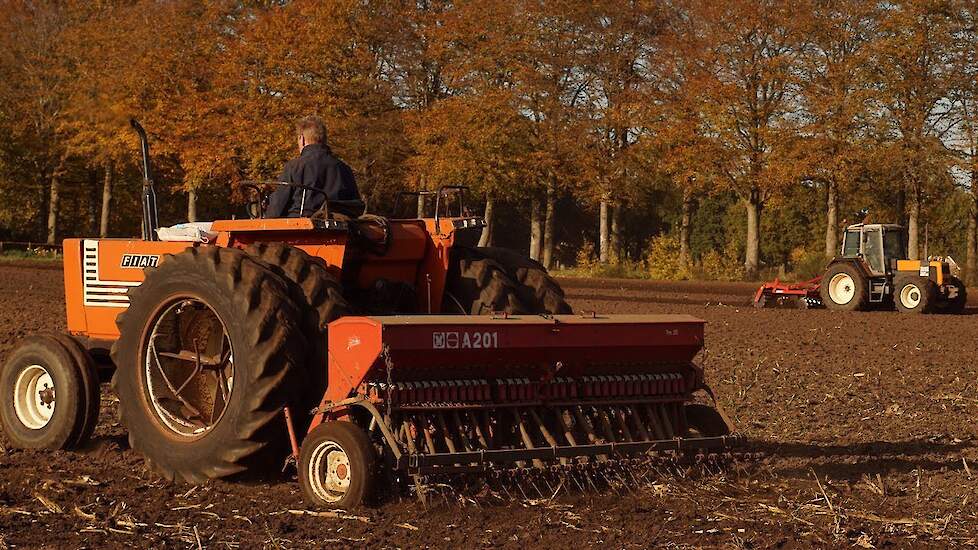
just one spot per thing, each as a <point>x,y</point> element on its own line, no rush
<point>359,345</point>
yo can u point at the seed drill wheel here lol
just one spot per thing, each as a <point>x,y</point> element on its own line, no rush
<point>705,421</point>
<point>844,288</point>
<point>205,362</point>
<point>914,294</point>
<point>50,391</point>
<point>485,280</point>
<point>337,466</point>
<point>319,296</point>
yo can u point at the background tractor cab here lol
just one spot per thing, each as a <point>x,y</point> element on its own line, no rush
<point>879,245</point>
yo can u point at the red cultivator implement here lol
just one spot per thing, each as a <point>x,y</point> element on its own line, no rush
<point>802,295</point>
<point>445,394</point>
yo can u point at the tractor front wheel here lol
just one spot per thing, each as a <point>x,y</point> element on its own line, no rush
<point>914,294</point>
<point>844,288</point>
<point>47,388</point>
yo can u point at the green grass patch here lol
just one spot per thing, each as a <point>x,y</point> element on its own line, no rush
<point>39,255</point>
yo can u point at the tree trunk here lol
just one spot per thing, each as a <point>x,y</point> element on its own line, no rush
<point>53,206</point>
<point>92,203</point>
<point>614,242</point>
<point>913,230</point>
<point>753,253</point>
<point>486,238</point>
<point>901,207</point>
<point>831,220</point>
<point>603,232</point>
<point>106,202</point>
<point>422,185</point>
<point>684,227</point>
<point>971,262</point>
<point>192,205</point>
<point>536,229</point>
<point>548,228</point>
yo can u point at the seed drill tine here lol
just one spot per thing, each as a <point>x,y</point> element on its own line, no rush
<point>525,435</point>
<point>478,429</point>
<point>565,426</point>
<point>419,485</point>
<point>588,429</point>
<point>656,422</point>
<point>487,430</point>
<point>429,443</point>
<point>406,428</point>
<point>666,422</point>
<point>606,425</point>
<point>642,432</point>
<point>445,433</point>
<point>461,433</point>
<point>546,433</point>
<point>620,415</point>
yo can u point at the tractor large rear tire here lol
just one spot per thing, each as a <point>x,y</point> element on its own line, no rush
<point>258,354</point>
<point>536,287</point>
<point>487,280</point>
<point>844,287</point>
<point>320,297</point>
<point>478,285</point>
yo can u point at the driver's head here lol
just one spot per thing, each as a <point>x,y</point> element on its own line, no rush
<point>310,129</point>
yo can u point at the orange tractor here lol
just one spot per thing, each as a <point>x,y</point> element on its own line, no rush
<point>357,345</point>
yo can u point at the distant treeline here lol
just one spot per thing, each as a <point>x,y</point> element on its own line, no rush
<point>738,133</point>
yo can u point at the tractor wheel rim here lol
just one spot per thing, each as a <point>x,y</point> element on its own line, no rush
<point>34,397</point>
<point>842,288</point>
<point>330,471</point>
<point>189,368</point>
<point>910,296</point>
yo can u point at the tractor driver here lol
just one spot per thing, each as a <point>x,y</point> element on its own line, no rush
<point>315,167</point>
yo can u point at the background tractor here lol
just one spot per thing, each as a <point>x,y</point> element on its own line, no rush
<point>872,269</point>
<point>358,345</point>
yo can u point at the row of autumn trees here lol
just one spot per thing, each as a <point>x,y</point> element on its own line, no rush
<point>749,127</point>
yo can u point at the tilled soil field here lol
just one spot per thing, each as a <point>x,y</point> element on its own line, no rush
<point>861,433</point>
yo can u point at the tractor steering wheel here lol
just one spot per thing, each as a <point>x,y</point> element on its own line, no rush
<point>258,203</point>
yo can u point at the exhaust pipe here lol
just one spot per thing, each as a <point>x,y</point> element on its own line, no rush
<point>150,217</point>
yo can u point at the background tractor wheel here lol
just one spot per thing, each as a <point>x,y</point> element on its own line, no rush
<point>914,294</point>
<point>337,466</point>
<point>483,280</point>
<point>46,396</point>
<point>844,288</point>
<point>956,304</point>
<point>320,297</point>
<point>205,362</point>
